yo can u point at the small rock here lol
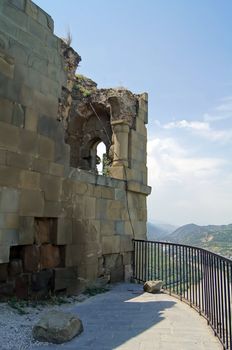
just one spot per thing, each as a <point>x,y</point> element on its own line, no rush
<point>57,327</point>
<point>152,286</point>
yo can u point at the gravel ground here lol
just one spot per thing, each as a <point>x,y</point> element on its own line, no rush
<point>16,328</point>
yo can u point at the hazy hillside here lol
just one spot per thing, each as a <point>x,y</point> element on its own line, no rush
<point>217,238</point>
<point>158,232</point>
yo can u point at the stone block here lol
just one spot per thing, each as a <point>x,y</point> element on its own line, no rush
<point>120,194</point>
<point>37,30</point>
<point>152,286</point>
<point>41,165</point>
<point>72,255</point>
<point>6,110</point>
<point>19,160</point>
<point>127,258</point>
<point>107,192</point>
<point>31,119</point>
<point>64,231</point>
<point>30,180</point>
<point>117,274</point>
<point>44,230</point>
<point>114,210</point>
<point>26,95</point>
<point>31,203</point>
<point>68,189</point>
<point>50,256</point>
<point>46,148</point>
<point>62,151</point>
<point>128,273</point>
<point>42,282</point>
<point>15,267</point>
<point>51,185</point>
<point>31,258</point>
<point>9,176</point>
<point>9,200</point>
<point>126,243</point>
<point>101,208</point>
<point>9,221</point>
<point>89,207</point>
<point>129,228</point>
<point>119,227</point>
<point>28,142</point>
<point>47,105</point>
<point>53,209</point>
<point>64,277</point>
<point>26,230</point>
<point>56,169</point>
<point>7,289</point>
<point>97,191</point>
<point>31,9</point>
<point>6,66</point>
<point>20,4</point>
<point>4,253</point>
<point>3,272</point>
<point>18,117</point>
<point>9,237</point>
<point>9,136</point>
<point>80,187</point>
<point>107,228</point>
<point>13,13</point>
<point>85,232</point>
<point>22,284</point>
<point>2,157</point>
<point>111,244</point>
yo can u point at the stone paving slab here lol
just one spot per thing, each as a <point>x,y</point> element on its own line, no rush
<point>125,318</point>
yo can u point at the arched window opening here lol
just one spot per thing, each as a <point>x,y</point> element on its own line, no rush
<point>102,161</point>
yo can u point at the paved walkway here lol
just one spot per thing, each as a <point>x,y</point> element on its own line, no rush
<point>128,319</point>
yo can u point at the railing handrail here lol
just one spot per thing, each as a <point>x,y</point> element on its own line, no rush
<point>186,246</point>
<point>196,275</point>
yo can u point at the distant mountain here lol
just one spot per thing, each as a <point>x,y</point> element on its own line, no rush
<point>159,232</point>
<point>217,238</point>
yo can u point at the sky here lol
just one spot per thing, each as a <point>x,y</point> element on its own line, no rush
<point>180,52</point>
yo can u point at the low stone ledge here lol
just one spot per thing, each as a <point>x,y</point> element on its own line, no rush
<point>135,186</point>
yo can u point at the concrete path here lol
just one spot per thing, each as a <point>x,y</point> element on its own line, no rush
<point>128,319</point>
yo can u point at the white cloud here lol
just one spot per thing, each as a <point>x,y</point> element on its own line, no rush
<point>202,129</point>
<point>187,188</point>
<point>184,124</point>
<point>221,112</point>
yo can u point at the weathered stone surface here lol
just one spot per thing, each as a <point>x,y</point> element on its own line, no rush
<point>15,267</point>
<point>3,272</point>
<point>42,282</point>
<point>44,230</point>
<point>50,256</point>
<point>152,286</point>
<point>57,327</point>
<point>31,258</point>
<point>22,286</point>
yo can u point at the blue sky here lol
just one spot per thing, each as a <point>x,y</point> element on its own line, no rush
<point>180,52</point>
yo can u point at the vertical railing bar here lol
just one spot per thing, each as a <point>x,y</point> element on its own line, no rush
<point>169,265</point>
<point>222,304</point>
<point>225,306</point>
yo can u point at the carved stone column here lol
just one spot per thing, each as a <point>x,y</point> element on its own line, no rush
<point>120,142</point>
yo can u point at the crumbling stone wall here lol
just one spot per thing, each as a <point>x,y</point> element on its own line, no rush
<point>62,226</point>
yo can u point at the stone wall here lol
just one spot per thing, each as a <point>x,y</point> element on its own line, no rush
<point>62,227</point>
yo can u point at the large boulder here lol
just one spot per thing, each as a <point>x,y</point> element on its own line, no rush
<point>152,286</point>
<point>57,327</point>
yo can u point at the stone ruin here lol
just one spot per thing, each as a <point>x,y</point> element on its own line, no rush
<point>63,226</point>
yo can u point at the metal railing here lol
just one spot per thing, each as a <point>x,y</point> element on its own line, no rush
<point>197,276</point>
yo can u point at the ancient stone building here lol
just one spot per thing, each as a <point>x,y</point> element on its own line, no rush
<point>62,224</point>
